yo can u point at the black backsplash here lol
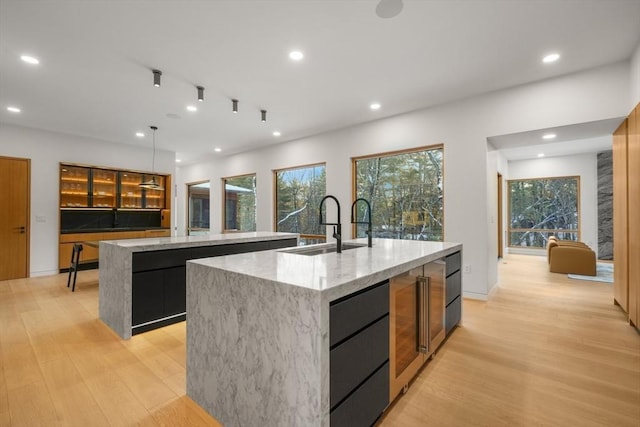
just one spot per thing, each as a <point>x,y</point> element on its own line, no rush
<point>74,221</point>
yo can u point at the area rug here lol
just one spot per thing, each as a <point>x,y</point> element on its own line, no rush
<point>604,273</point>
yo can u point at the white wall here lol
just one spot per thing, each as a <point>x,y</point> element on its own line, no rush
<point>586,167</point>
<point>46,151</point>
<point>462,127</point>
<point>635,78</point>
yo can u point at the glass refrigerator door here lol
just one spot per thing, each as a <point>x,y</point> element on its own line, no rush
<point>130,190</point>
<point>103,184</point>
<point>74,187</point>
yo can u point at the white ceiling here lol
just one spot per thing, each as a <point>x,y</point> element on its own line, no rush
<point>96,57</point>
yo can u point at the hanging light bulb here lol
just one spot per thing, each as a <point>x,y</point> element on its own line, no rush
<point>152,184</point>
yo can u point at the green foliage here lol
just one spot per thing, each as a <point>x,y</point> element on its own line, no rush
<point>542,207</point>
<point>240,203</point>
<point>405,192</point>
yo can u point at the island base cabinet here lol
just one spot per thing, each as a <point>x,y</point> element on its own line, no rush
<point>453,310</point>
<point>365,405</point>
<point>158,298</point>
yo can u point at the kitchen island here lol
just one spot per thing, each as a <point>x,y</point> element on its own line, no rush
<point>262,331</point>
<point>142,282</point>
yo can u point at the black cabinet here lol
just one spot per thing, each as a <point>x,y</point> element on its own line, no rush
<point>359,357</point>
<point>159,282</point>
<point>453,310</point>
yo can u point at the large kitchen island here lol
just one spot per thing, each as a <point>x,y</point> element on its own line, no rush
<point>143,281</point>
<point>302,337</point>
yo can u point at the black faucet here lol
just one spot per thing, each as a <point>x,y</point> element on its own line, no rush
<point>337,227</point>
<point>368,222</point>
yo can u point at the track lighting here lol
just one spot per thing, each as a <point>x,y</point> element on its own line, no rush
<point>156,77</point>
<point>263,115</point>
<point>200,93</point>
<point>234,107</point>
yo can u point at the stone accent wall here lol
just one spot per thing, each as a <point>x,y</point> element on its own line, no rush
<point>605,205</point>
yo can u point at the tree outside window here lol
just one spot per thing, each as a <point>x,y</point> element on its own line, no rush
<point>542,207</point>
<point>298,194</point>
<point>405,193</point>
<point>240,203</point>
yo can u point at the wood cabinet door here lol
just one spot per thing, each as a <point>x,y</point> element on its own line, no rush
<point>14,218</point>
<point>620,221</point>
<point>634,215</point>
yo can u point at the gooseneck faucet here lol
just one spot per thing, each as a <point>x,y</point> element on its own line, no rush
<point>368,221</point>
<point>337,227</point>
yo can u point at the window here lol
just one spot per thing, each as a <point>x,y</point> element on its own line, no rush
<point>239,203</point>
<point>539,208</point>
<point>298,194</point>
<point>405,193</point>
<point>198,208</point>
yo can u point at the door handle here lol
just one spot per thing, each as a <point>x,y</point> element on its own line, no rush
<point>422,284</point>
<point>22,229</point>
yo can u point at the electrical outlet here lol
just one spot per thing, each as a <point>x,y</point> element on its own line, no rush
<point>467,269</point>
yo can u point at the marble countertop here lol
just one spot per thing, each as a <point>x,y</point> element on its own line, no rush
<point>177,242</point>
<point>335,275</point>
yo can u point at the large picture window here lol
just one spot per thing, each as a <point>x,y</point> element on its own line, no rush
<point>541,207</point>
<point>239,203</point>
<point>405,193</point>
<point>298,192</point>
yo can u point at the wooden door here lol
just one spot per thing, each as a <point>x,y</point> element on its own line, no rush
<point>633,192</point>
<point>620,221</point>
<point>500,232</point>
<point>14,218</point>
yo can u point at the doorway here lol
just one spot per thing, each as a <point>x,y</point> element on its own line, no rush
<point>198,194</point>
<point>14,217</point>
<point>500,230</point>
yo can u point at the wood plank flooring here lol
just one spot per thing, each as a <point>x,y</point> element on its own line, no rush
<point>545,350</point>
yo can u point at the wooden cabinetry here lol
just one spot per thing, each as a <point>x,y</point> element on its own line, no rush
<point>74,186</point>
<point>626,216</point>
<point>359,356</point>
<point>103,188</point>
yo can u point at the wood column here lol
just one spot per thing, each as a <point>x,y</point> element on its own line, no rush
<point>620,218</point>
<point>633,191</point>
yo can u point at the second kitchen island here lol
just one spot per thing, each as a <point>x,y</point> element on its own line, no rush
<point>303,337</point>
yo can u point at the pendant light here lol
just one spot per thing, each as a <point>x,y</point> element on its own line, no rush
<point>152,184</point>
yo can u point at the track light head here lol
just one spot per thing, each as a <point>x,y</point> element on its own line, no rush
<point>234,103</point>
<point>263,115</point>
<point>200,93</point>
<point>156,77</point>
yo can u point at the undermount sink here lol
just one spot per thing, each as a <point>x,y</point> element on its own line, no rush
<point>322,249</point>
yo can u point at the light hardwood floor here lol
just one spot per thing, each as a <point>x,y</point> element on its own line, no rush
<point>545,350</point>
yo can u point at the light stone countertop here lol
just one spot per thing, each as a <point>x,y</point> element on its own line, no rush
<point>336,275</point>
<point>210,239</point>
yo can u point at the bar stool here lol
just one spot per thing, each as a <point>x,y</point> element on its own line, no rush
<point>75,262</point>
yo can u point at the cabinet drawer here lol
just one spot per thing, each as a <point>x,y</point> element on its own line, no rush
<point>355,359</point>
<point>287,243</point>
<point>355,312</point>
<point>454,286</point>
<point>453,262</point>
<point>153,260</point>
<point>366,404</point>
<point>453,314</point>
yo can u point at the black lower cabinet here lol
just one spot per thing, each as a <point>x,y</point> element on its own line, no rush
<point>175,291</point>
<point>147,296</point>
<point>453,310</point>
<point>359,357</point>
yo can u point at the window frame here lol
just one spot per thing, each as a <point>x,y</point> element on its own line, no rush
<point>188,185</point>
<point>224,203</point>
<point>510,230</point>
<point>354,175</point>
<point>321,237</point>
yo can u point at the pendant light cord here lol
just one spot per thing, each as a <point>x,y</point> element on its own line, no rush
<point>153,157</point>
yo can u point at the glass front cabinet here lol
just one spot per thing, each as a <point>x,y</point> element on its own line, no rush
<point>87,187</point>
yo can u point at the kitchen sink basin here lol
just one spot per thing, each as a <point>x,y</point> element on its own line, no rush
<point>322,249</point>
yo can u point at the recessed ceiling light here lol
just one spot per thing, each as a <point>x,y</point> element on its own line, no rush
<point>552,57</point>
<point>375,106</point>
<point>192,108</point>
<point>296,55</point>
<point>30,59</point>
<point>139,134</point>
<point>276,133</point>
<point>178,160</point>
<point>217,150</point>
<point>540,154</point>
<point>14,109</point>
<point>549,136</point>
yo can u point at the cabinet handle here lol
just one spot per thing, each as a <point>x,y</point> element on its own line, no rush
<point>22,229</point>
<point>422,284</point>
